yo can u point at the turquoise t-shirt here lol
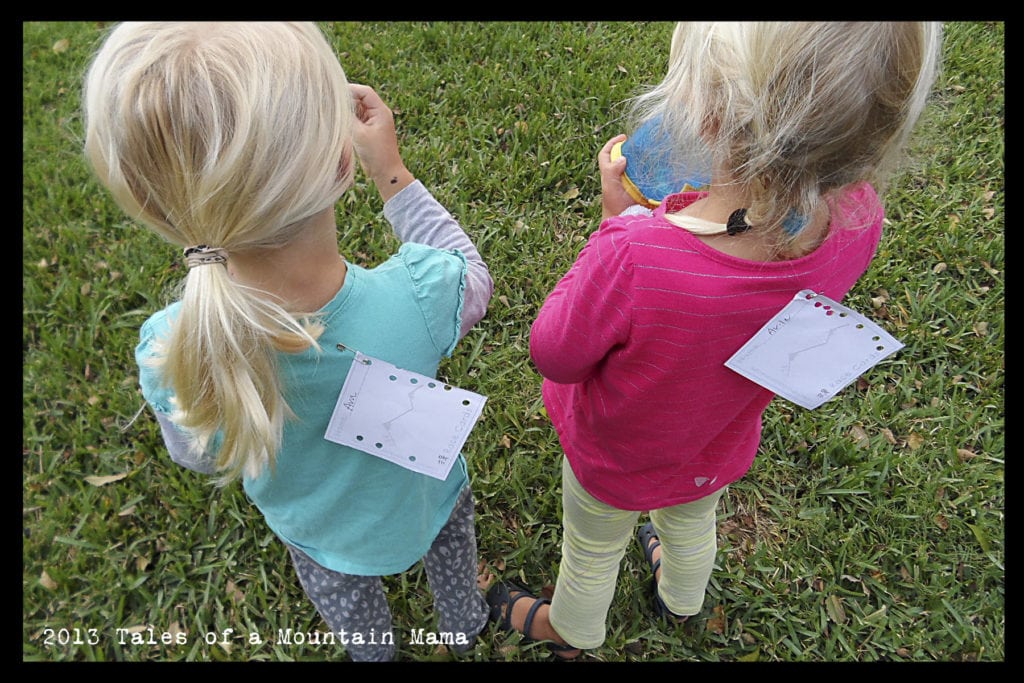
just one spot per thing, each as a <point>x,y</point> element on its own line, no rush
<point>348,510</point>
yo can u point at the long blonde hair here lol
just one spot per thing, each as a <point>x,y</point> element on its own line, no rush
<point>795,110</point>
<point>229,135</point>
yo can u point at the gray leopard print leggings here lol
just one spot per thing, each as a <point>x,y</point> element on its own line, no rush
<point>357,604</point>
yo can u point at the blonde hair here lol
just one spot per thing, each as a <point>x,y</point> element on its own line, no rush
<point>793,111</point>
<point>230,135</point>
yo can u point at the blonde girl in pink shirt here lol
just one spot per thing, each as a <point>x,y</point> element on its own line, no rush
<point>803,122</point>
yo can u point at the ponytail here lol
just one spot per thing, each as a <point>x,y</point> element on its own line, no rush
<point>230,135</point>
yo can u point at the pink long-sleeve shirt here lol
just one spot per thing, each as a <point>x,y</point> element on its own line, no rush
<point>632,344</point>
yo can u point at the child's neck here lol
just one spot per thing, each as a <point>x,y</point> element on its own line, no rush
<point>724,198</point>
<point>303,275</point>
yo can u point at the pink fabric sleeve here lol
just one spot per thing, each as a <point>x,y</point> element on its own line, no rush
<point>587,314</point>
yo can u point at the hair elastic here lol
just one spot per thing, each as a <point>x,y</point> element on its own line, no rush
<point>737,222</point>
<point>202,255</point>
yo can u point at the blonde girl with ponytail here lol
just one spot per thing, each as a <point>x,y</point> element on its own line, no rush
<point>234,141</point>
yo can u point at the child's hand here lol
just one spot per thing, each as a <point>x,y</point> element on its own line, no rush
<point>614,198</point>
<point>376,142</point>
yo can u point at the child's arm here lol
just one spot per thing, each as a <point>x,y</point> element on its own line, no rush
<point>417,217</point>
<point>412,211</point>
<point>182,450</point>
<point>159,397</point>
<point>589,312</point>
<point>377,143</point>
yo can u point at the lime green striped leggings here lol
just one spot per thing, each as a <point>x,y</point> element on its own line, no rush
<point>594,539</point>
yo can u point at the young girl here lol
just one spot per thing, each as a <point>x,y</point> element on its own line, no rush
<point>802,122</point>
<point>234,141</point>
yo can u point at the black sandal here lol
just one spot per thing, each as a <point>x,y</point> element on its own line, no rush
<point>500,599</point>
<point>649,541</point>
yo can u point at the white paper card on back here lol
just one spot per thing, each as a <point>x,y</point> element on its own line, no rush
<point>812,349</point>
<point>417,422</point>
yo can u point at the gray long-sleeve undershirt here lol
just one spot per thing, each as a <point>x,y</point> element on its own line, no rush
<point>417,217</point>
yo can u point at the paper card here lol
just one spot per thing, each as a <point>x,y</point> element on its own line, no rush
<point>812,349</point>
<point>414,421</point>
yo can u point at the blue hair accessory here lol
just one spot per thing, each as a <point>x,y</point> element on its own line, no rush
<point>653,172</point>
<point>793,223</point>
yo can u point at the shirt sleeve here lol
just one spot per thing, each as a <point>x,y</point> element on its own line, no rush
<point>182,449</point>
<point>156,393</point>
<point>416,216</point>
<point>636,210</point>
<point>438,280</point>
<point>588,313</point>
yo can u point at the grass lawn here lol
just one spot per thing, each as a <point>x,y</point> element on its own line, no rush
<point>870,529</point>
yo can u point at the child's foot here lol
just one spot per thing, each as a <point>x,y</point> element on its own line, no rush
<point>484,576</point>
<point>515,609</point>
<point>652,551</point>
